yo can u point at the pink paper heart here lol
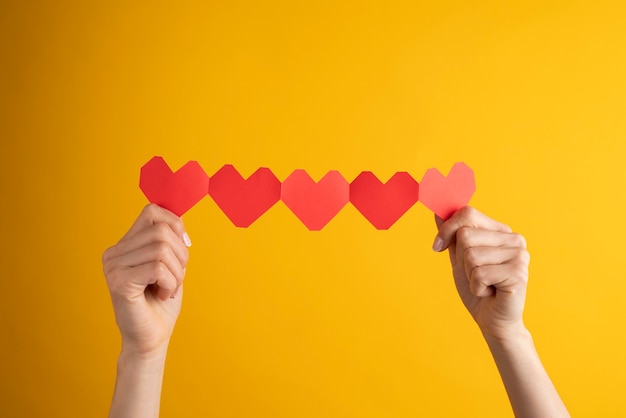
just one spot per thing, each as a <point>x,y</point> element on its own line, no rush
<point>315,204</point>
<point>446,195</point>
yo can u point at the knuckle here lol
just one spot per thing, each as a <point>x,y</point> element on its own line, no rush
<point>476,286</point>
<point>463,234</point>
<point>520,271</point>
<point>161,231</point>
<point>114,281</point>
<point>185,256</point>
<point>106,255</point>
<point>159,272</point>
<point>161,250</point>
<point>151,210</point>
<point>468,212</point>
<point>518,240</point>
<point>471,256</point>
<point>178,224</point>
<point>478,275</point>
<point>522,257</point>
<point>148,209</point>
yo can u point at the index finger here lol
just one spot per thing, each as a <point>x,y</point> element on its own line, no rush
<point>465,217</point>
<point>153,214</point>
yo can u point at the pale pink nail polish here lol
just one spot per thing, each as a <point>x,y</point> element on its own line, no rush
<point>186,240</point>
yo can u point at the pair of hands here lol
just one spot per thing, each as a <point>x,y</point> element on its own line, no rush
<point>146,268</point>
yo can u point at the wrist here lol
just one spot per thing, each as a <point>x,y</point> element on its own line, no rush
<point>508,340</point>
<point>131,354</point>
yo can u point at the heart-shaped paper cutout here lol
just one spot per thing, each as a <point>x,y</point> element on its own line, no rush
<point>244,201</point>
<point>176,192</point>
<point>383,204</point>
<point>315,204</point>
<point>446,195</point>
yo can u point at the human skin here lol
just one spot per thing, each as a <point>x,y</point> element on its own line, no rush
<point>145,272</point>
<point>490,270</point>
<point>146,268</point>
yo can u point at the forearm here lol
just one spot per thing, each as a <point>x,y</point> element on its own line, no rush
<point>138,385</point>
<point>527,383</point>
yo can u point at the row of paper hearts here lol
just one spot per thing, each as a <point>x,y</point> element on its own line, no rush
<point>314,203</point>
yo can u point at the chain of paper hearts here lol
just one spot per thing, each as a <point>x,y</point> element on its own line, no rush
<point>315,203</point>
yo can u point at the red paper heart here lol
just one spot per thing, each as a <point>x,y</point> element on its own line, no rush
<point>176,192</point>
<point>446,195</point>
<point>244,201</point>
<point>383,204</point>
<point>315,204</point>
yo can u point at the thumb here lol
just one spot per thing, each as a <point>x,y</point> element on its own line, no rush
<point>438,221</point>
<point>464,217</point>
<point>439,244</point>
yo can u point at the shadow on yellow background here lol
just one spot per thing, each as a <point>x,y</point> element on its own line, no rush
<point>278,321</point>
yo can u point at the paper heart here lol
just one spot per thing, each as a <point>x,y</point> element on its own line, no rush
<point>176,192</point>
<point>383,204</point>
<point>315,204</point>
<point>244,201</point>
<point>446,195</point>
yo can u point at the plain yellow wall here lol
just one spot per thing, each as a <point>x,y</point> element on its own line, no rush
<point>279,321</point>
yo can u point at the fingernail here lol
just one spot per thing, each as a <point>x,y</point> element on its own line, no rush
<point>438,244</point>
<point>175,293</point>
<point>186,240</point>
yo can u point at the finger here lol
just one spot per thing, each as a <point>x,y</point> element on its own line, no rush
<point>155,274</point>
<point>488,279</point>
<point>467,216</point>
<point>153,252</point>
<point>475,237</point>
<point>153,214</point>
<point>131,282</point>
<point>467,237</point>
<point>177,292</point>
<point>438,221</point>
<point>160,232</point>
<point>484,256</point>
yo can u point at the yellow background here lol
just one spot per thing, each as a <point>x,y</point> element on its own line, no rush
<point>278,321</point>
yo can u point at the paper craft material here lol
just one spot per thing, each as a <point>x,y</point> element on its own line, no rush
<point>446,195</point>
<point>315,204</point>
<point>243,201</point>
<point>383,204</point>
<point>177,192</point>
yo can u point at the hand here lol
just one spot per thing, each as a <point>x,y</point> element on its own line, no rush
<point>144,272</point>
<point>490,268</point>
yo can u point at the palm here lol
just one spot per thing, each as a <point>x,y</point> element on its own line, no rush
<point>148,321</point>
